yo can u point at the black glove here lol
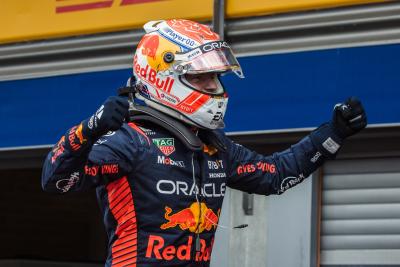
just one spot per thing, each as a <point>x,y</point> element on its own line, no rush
<point>348,118</point>
<point>109,117</point>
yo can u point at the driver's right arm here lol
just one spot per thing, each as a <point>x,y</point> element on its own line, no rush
<point>77,162</point>
<point>71,166</point>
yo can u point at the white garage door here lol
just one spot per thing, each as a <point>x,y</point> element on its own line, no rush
<point>361,213</point>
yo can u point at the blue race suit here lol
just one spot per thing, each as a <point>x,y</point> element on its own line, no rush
<point>160,201</point>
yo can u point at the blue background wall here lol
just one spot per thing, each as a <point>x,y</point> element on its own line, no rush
<point>280,91</point>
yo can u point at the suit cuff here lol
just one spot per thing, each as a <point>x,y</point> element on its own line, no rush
<point>326,140</point>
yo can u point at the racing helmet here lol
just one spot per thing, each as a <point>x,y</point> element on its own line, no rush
<point>168,52</point>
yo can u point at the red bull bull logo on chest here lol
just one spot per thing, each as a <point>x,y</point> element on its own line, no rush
<point>196,218</point>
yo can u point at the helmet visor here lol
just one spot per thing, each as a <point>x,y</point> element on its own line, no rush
<point>210,85</point>
<point>211,57</point>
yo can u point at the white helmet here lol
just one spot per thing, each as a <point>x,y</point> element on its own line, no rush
<point>169,50</point>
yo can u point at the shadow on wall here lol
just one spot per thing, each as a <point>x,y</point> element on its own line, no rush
<point>42,226</point>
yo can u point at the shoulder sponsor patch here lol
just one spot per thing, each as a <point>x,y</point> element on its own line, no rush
<point>166,145</point>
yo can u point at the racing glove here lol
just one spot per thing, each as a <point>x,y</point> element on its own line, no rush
<point>348,118</point>
<point>109,117</point>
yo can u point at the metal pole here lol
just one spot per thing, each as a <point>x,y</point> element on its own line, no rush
<point>218,23</point>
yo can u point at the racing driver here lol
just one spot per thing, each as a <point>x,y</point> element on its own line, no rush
<point>160,192</point>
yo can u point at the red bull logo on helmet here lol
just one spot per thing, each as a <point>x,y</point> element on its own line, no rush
<point>150,75</point>
<point>196,218</point>
<point>149,45</point>
<point>154,47</point>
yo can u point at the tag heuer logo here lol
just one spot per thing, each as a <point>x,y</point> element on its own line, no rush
<point>166,145</point>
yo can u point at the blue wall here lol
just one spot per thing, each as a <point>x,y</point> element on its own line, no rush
<point>299,89</point>
<point>280,91</point>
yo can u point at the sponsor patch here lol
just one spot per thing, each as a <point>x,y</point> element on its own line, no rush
<point>95,118</point>
<point>58,149</point>
<point>331,145</point>
<point>289,182</point>
<point>158,248</point>
<point>166,145</point>
<point>168,187</point>
<point>196,218</point>
<point>101,169</point>
<point>147,132</point>
<point>262,166</point>
<point>74,138</point>
<point>215,164</point>
<point>316,157</point>
<point>217,175</point>
<point>66,184</point>
<point>168,161</point>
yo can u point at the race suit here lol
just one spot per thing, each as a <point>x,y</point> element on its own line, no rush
<point>160,201</point>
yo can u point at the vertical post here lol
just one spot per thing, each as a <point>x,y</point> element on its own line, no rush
<point>218,23</point>
<point>316,213</point>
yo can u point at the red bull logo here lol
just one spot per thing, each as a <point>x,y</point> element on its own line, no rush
<point>58,149</point>
<point>194,219</point>
<point>149,45</point>
<point>150,75</point>
<point>156,248</point>
<point>153,47</point>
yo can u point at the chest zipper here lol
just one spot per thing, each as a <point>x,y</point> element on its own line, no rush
<point>198,184</point>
